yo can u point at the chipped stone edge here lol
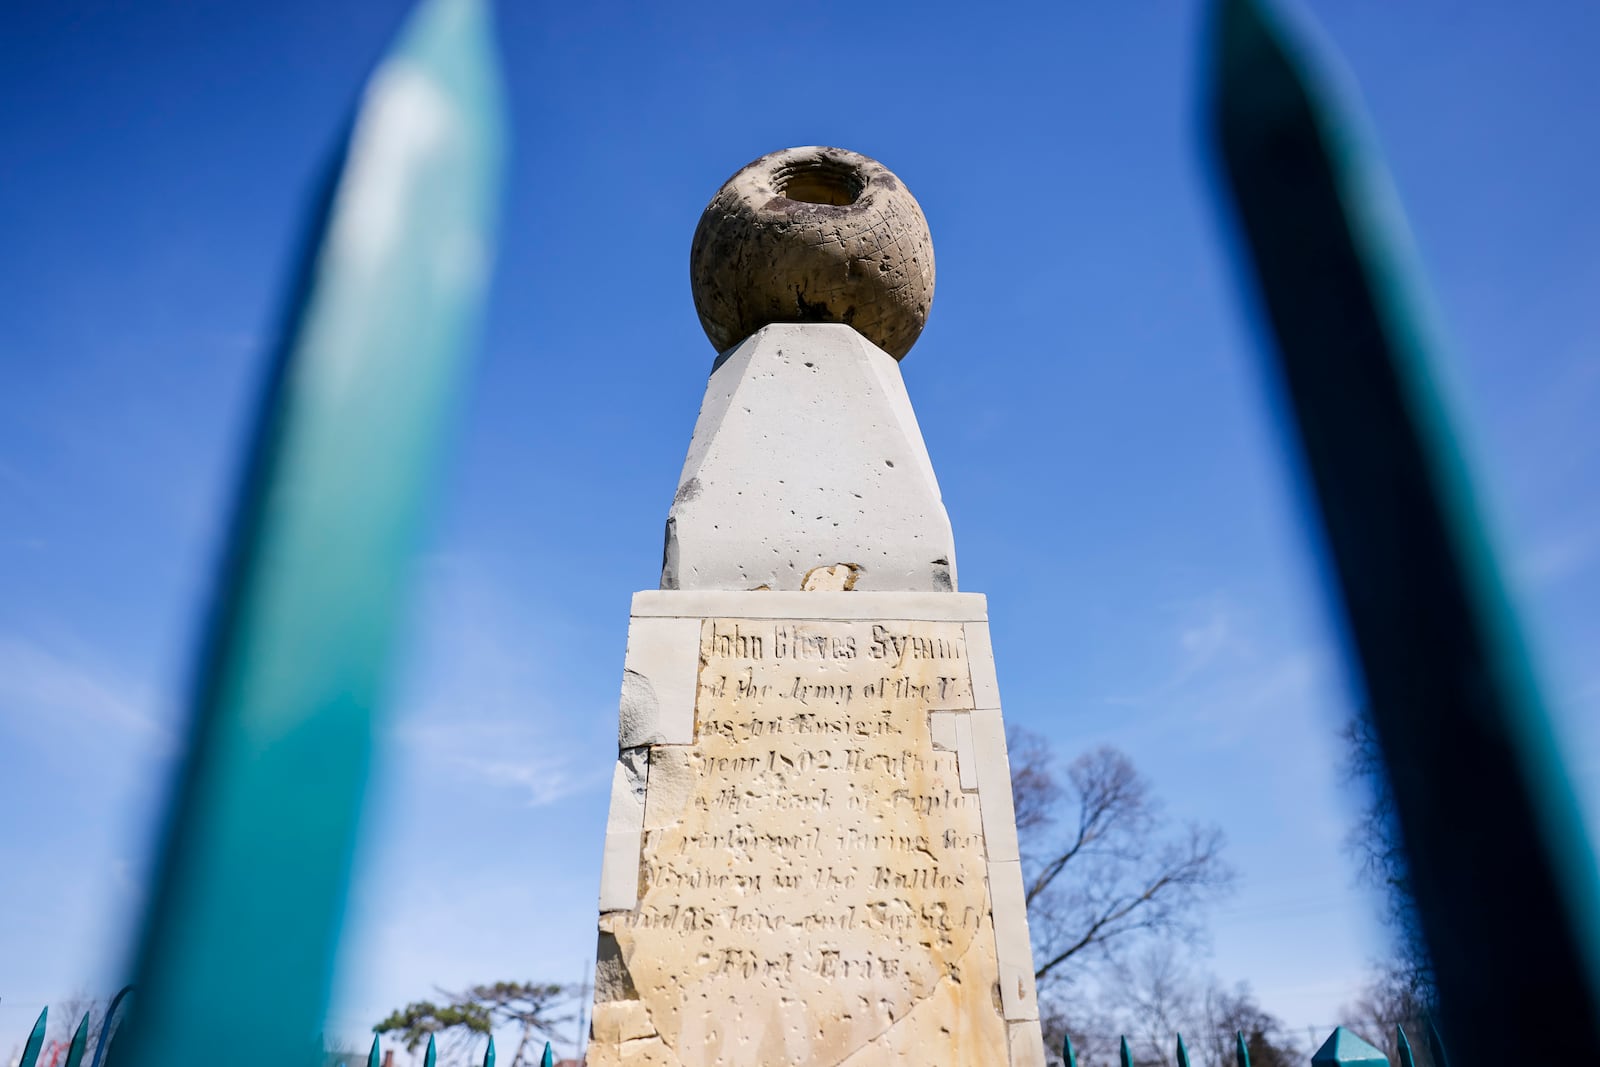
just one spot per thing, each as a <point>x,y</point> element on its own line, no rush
<point>1018,997</point>
<point>619,864</point>
<point>1027,1043</point>
<point>980,655</point>
<point>660,679</point>
<point>994,785</point>
<point>793,604</point>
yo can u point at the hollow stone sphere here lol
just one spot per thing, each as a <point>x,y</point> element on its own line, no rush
<point>813,235</point>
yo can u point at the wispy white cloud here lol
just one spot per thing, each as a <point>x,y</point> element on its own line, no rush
<point>479,705</point>
<point>498,755</point>
<point>50,688</point>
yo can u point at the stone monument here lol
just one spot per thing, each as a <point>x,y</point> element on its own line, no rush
<point>811,857</point>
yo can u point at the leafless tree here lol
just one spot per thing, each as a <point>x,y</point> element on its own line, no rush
<point>1407,976</point>
<point>1157,995</point>
<point>1390,1000</point>
<point>471,1014</point>
<point>1103,867</point>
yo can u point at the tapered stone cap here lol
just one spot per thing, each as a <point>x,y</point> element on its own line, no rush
<point>807,470</point>
<point>813,235</point>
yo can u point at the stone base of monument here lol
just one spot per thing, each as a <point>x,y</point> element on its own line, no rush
<point>811,857</point>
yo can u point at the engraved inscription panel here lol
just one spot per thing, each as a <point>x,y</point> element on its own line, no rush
<point>812,876</point>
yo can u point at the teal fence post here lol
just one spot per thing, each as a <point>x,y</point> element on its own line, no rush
<point>488,1053</point>
<point>430,1057</point>
<point>549,1059</point>
<point>1069,1058</point>
<point>1241,1051</point>
<point>372,1055</point>
<point>1503,872</point>
<point>1127,1056</point>
<point>80,1042</point>
<point>1345,1049</point>
<point>239,937</point>
<point>1183,1053</point>
<point>30,1048</point>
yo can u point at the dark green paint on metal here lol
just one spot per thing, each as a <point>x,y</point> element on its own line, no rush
<point>488,1053</point>
<point>1127,1056</point>
<point>30,1050</point>
<point>1403,1048</point>
<point>1241,1051</point>
<point>1503,872</point>
<point>430,1057</point>
<point>549,1059</point>
<point>1183,1053</point>
<point>1069,1058</point>
<point>80,1042</point>
<point>372,1056</point>
<point>334,499</point>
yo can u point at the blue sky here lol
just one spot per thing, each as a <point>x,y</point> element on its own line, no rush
<point>1108,446</point>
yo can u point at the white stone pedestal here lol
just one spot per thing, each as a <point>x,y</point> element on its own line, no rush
<point>812,857</point>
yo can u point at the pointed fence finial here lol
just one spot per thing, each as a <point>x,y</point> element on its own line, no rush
<point>430,1057</point>
<point>80,1042</point>
<point>372,1057</point>
<point>1403,1047</point>
<point>108,1024</point>
<point>549,1057</point>
<point>1436,1046</point>
<point>488,1053</point>
<point>1127,1056</point>
<point>1069,1058</point>
<point>1344,1049</point>
<point>1183,1053</point>
<point>1241,1051</point>
<point>30,1051</point>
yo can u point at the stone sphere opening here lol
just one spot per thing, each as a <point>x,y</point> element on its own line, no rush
<point>813,234</point>
<point>819,181</point>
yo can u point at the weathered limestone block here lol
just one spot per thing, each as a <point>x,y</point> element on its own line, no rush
<point>813,235</point>
<point>820,880</point>
<point>807,470</point>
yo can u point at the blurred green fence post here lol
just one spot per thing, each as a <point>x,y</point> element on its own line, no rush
<point>1503,872</point>
<point>238,944</point>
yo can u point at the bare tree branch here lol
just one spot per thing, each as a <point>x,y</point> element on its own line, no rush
<point>1121,869</point>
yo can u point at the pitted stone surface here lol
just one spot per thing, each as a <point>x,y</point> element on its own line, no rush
<point>816,884</point>
<point>807,462</point>
<point>813,875</point>
<point>813,235</point>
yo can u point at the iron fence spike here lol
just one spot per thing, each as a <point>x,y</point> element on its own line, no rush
<point>1436,1046</point>
<point>488,1053</point>
<point>1241,1051</point>
<point>1403,1047</point>
<point>1127,1056</point>
<point>80,1042</point>
<point>1452,695</point>
<point>108,1026</point>
<point>1069,1058</point>
<point>30,1050</point>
